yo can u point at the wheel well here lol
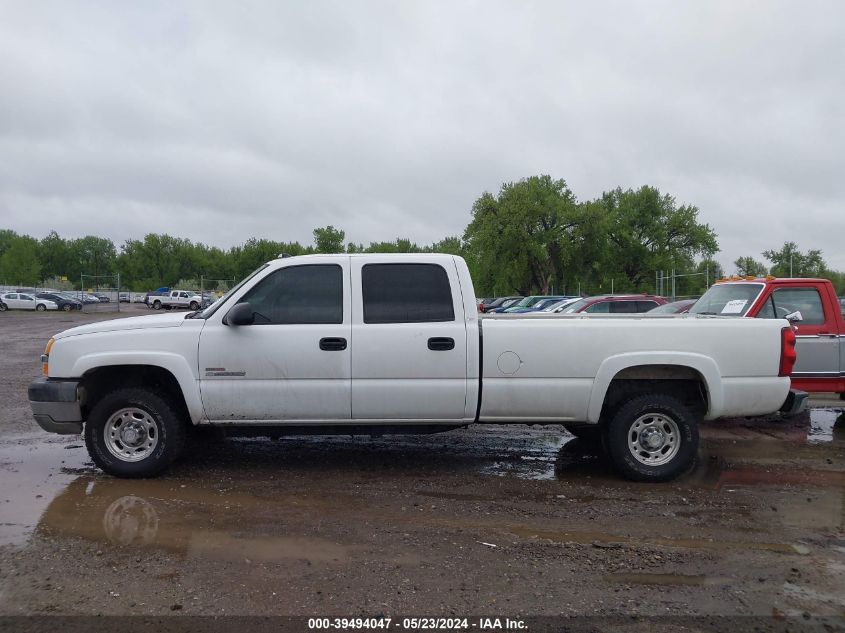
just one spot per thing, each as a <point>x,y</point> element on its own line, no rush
<point>96,383</point>
<point>678,381</point>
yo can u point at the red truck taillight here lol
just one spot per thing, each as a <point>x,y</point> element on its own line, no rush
<point>788,355</point>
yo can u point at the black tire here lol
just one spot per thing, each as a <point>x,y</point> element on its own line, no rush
<point>67,307</point>
<point>620,432</point>
<point>41,307</point>
<point>194,305</point>
<point>156,305</point>
<point>3,307</point>
<point>588,433</point>
<point>169,426</point>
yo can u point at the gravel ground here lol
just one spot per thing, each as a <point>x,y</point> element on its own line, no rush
<point>516,520</point>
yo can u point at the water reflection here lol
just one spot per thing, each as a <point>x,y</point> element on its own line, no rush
<point>826,425</point>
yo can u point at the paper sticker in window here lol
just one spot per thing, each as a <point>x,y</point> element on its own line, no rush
<point>735,306</point>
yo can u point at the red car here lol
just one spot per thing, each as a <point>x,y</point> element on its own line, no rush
<point>615,304</point>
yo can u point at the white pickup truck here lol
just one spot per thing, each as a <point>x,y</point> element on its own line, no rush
<point>176,299</point>
<point>371,344</point>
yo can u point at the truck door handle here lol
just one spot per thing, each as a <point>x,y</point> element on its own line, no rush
<point>441,343</point>
<point>332,344</point>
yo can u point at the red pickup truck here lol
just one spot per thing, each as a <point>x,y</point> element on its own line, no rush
<point>810,304</point>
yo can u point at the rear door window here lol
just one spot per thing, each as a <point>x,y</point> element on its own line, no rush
<point>645,306</point>
<point>406,293</point>
<point>623,307</point>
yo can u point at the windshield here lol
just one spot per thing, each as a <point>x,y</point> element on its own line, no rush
<point>727,299</point>
<point>559,305</point>
<point>576,306</point>
<point>214,306</point>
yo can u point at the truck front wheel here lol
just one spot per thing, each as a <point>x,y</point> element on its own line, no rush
<point>134,433</point>
<point>652,438</point>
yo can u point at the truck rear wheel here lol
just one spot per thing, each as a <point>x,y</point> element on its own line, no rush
<point>156,305</point>
<point>652,438</point>
<point>134,433</point>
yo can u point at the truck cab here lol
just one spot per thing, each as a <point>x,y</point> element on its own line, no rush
<point>813,308</point>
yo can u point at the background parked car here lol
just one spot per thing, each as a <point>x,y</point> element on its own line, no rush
<point>62,301</point>
<point>499,302</point>
<point>534,306</point>
<point>103,298</point>
<point>615,304</point>
<point>24,301</point>
<point>675,307</point>
<point>86,298</point>
<point>125,297</point>
<point>560,306</point>
<point>525,302</point>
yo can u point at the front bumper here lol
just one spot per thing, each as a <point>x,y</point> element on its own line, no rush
<point>795,402</point>
<point>55,405</point>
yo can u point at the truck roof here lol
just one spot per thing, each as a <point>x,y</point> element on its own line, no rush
<point>771,280</point>
<point>391,255</point>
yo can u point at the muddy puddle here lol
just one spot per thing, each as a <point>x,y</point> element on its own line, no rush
<point>33,471</point>
<point>664,580</point>
<point>826,425</point>
<point>247,499</point>
<point>604,540</point>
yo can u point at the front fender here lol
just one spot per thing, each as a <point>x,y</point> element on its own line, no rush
<point>174,363</point>
<point>611,367</point>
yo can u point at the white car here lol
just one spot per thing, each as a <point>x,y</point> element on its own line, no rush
<point>375,343</point>
<point>23,301</point>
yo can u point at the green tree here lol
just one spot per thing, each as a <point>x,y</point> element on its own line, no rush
<point>95,256</point>
<point>19,263</point>
<point>523,238</point>
<point>648,231</point>
<point>55,256</point>
<point>7,238</point>
<point>329,240</point>
<point>748,266</point>
<point>790,262</point>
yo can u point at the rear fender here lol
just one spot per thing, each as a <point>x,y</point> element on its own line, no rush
<point>612,366</point>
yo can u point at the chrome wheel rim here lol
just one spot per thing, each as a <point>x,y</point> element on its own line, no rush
<point>131,434</point>
<point>654,439</point>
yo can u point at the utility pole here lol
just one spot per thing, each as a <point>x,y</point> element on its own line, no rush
<point>673,284</point>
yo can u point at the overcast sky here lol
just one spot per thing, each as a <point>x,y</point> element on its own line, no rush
<point>219,121</point>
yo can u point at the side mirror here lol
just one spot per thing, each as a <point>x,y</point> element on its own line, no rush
<point>241,314</point>
<point>794,317</point>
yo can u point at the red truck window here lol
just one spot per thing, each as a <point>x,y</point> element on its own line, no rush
<point>785,301</point>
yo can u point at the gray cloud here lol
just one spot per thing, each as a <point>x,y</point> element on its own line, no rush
<point>220,121</point>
